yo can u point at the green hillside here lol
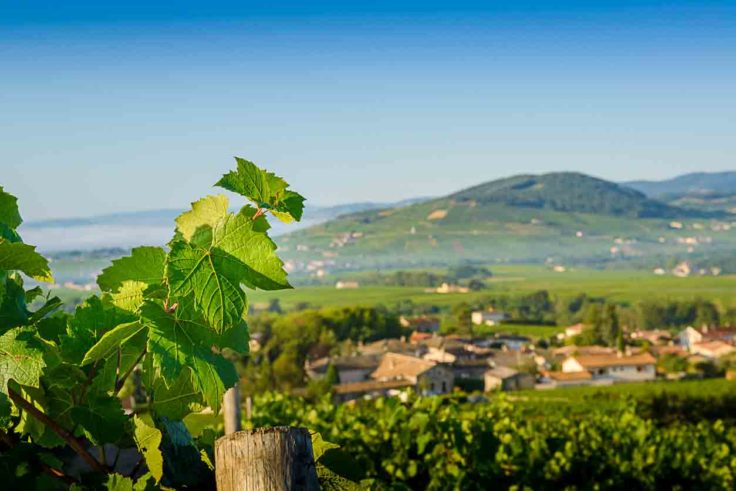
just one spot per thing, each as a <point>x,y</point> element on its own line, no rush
<point>562,218</point>
<point>567,191</point>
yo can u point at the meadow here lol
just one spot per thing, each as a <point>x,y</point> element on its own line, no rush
<point>626,286</point>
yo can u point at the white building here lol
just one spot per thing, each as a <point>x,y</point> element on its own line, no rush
<point>616,367</point>
<point>488,317</point>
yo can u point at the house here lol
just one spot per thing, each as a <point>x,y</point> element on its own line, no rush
<point>349,368</point>
<point>690,336</point>
<point>574,330</point>
<point>427,377</point>
<point>507,379</point>
<point>446,350</point>
<point>567,351</point>
<point>617,367</point>
<point>512,342</point>
<point>470,368</point>
<point>393,345</point>
<point>448,288</point>
<point>419,337</point>
<point>420,324</point>
<point>654,336</point>
<point>347,285</point>
<point>488,317</point>
<point>712,349</point>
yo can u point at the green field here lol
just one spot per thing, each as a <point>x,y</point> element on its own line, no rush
<point>619,285</point>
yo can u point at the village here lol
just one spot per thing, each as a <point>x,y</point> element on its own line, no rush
<point>435,364</point>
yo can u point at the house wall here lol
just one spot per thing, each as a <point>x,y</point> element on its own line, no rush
<point>492,383</point>
<point>625,373</point>
<point>437,380</point>
<point>689,336</point>
<point>354,374</point>
<point>571,365</point>
<point>520,381</point>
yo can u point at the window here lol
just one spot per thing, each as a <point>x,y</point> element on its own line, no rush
<point>444,386</point>
<point>431,386</point>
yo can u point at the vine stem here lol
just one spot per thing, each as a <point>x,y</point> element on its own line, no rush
<point>121,382</point>
<point>73,442</point>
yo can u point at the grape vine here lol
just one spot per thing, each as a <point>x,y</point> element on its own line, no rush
<point>172,316</point>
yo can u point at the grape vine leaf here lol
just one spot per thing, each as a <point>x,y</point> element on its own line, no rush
<point>236,338</point>
<point>13,311</point>
<point>91,320</point>
<point>21,358</point>
<point>204,213</point>
<point>9,214</point>
<point>177,399</point>
<point>102,418</point>
<point>176,343</point>
<point>120,362</point>
<point>148,440</point>
<point>129,296</point>
<point>265,189</point>
<point>111,341</point>
<point>145,264</point>
<point>213,269</point>
<point>23,257</point>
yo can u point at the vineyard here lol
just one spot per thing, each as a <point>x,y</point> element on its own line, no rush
<point>449,443</point>
<point>168,330</point>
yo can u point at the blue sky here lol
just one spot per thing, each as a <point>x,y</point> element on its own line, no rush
<point>107,108</point>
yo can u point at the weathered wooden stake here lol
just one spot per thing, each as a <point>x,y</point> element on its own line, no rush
<point>279,459</point>
<point>231,410</point>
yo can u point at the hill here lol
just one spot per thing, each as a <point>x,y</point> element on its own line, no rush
<point>567,191</point>
<point>561,219</point>
<point>694,183</point>
<point>714,191</point>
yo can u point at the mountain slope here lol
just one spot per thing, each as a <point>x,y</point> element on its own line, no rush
<point>567,191</point>
<point>694,183</point>
<point>562,217</point>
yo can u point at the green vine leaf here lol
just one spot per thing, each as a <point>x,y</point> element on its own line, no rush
<point>148,440</point>
<point>9,214</point>
<point>102,418</point>
<point>21,358</point>
<point>13,311</point>
<point>177,399</point>
<point>145,265</point>
<point>212,268</point>
<point>265,189</point>
<point>23,257</point>
<point>204,213</point>
<point>177,343</point>
<point>111,341</point>
<point>91,320</point>
<point>129,296</point>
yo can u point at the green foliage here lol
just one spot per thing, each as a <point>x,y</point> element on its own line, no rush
<point>448,443</point>
<point>265,189</point>
<point>172,319</point>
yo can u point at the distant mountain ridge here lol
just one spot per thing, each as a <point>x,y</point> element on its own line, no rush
<point>693,183</point>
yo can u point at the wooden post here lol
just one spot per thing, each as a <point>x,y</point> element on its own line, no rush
<point>278,459</point>
<point>231,410</point>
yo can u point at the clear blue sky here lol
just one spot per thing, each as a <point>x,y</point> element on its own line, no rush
<point>107,108</point>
